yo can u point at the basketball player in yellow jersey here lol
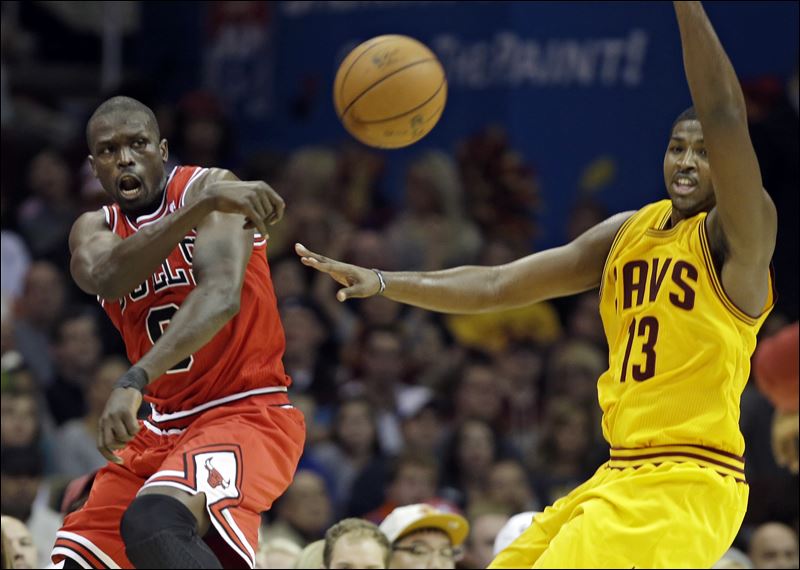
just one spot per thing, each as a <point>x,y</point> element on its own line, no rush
<point>684,287</point>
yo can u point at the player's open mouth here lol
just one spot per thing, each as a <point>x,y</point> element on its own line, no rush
<point>129,186</point>
<point>683,185</point>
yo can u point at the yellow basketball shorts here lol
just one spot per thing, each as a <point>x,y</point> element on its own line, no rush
<point>671,514</point>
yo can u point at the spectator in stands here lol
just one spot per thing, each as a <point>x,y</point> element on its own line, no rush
<point>476,395</point>
<point>204,136</point>
<point>19,551</point>
<point>289,279</point>
<point>424,537</point>
<point>502,191</point>
<point>521,366</point>
<point>311,556</point>
<point>774,545</point>
<point>77,350</point>
<point>512,530</point>
<point>380,379</point>
<point>45,218</point>
<point>562,461</point>
<point>468,457</point>
<point>277,553</point>
<point>509,485</point>
<point>22,423</point>
<point>733,559</point>
<point>423,426</point>
<point>76,442</point>
<point>25,495</point>
<point>355,543</point>
<point>308,183</point>
<point>303,512</point>
<point>434,357</point>
<point>38,311</point>
<point>432,231</point>
<point>15,260</point>
<point>353,447</point>
<point>309,350</point>
<point>584,320</point>
<point>412,479</point>
<point>485,522</point>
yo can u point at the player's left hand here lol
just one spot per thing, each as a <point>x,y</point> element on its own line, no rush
<point>118,424</point>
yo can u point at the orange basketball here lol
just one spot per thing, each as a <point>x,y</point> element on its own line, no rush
<point>390,91</point>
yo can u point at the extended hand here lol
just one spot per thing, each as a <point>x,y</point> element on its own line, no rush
<point>118,424</point>
<point>359,282</point>
<point>256,200</point>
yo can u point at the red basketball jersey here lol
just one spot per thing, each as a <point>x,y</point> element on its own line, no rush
<point>243,358</point>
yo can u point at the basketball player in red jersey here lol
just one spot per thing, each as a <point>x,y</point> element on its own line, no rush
<point>178,262</point>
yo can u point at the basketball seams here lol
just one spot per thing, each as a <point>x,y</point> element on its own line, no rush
<point>387,100</point>
<point>352,65</point>
<point>404,113</point>
<point>381,80</point>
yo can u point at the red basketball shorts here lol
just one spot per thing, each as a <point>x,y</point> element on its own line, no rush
<point>242,454</point>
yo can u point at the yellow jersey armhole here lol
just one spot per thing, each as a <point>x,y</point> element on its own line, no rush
<point>716,281</point>
<point>613,249</point>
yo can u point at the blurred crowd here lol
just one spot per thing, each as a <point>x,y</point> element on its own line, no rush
<point>481,416</point>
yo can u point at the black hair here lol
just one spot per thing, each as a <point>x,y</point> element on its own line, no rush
<point>122,104</point>
<point>687,115</point>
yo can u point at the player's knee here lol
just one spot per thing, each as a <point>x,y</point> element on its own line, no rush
<point>149,515</point>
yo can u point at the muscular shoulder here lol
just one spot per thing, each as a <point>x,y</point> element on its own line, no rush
<point>217,175</point>
<point>86,225</point>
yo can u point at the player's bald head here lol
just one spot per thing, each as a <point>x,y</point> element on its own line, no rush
<point>121,107</point>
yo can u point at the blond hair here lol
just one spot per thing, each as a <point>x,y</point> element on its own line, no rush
<point>359,527</point>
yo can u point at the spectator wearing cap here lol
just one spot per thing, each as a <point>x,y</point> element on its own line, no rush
<point>424,537</point>
<point>512,530</point>
<point>355,543</point>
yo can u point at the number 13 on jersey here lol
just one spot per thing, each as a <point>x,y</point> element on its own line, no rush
<point>645,328</point>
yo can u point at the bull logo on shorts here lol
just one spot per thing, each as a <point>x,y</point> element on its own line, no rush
<point>214,477</point>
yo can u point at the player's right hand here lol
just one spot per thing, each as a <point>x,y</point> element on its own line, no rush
<point>358,281</point>
<point>255,200</point>
<point>118,424</point>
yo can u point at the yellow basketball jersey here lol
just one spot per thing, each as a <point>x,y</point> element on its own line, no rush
<point>679,349</point>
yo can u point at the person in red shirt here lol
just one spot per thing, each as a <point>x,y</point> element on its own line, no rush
<point>178,263</point>
<point>775,365</point>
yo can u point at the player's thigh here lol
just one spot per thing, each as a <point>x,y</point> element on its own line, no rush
<point>239,459</point>
<point>666,516</point>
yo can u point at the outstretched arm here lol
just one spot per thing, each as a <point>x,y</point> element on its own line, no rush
<point>744,220</point>
<point>558,272</point>
<point>104,264</point>
<point>221,253</point>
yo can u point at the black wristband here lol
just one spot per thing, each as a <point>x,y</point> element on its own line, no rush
<point>135,377</point>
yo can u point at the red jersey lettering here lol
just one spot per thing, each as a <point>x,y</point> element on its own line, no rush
<point>244,355</point>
